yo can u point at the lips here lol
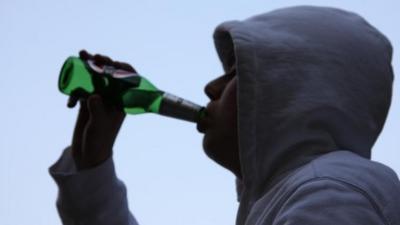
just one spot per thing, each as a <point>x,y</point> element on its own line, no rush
<point>202,124</point>
<point>200,127</point>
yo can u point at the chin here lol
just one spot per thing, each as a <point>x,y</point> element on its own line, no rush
<point>206,144</point>
<point>221,152</point>
<point>214,149</point>
<point>210,146</point>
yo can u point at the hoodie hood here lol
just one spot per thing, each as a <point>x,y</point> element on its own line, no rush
<point>311,80</point>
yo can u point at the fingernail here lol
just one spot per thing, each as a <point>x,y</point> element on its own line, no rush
<point>71,103</point>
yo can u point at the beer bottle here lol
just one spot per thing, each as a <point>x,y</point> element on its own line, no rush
<point>128,89</point>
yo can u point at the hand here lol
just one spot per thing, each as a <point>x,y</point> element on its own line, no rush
<point>98,122</point>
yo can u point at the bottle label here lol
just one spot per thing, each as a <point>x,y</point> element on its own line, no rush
<point>180,101</point>
<point>132,78</point>
<point>179,108</point>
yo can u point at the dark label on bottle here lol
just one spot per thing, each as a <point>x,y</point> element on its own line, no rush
<point>130,77</point>
<point>179,108</point>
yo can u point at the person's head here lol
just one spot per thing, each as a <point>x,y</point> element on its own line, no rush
<point>306,81</point>
<point>220,126</point>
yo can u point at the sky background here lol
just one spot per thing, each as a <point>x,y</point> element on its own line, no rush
<point>169,178</point>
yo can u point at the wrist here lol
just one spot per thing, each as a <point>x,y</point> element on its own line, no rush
<point>88,161</point>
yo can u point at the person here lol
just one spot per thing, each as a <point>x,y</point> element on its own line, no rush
<point>304,97</point>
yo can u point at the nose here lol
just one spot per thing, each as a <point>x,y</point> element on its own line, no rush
<point>213,89</point>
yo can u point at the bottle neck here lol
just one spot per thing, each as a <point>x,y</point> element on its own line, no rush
<point>180,108</point>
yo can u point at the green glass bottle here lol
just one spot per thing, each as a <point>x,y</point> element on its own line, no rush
<point>134,92</point>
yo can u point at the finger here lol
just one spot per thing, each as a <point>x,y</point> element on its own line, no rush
<point>102,60</point>
<point>95,106</point>
<point>124,66</point>
<point>83,54</point>
<point>77,139</point>
<point>103,112</point>
<point>72,100</point>
<point>83,110</point>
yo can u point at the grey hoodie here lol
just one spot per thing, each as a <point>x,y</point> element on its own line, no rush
<point>314,89</point>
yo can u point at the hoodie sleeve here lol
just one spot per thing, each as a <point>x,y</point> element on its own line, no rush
<point>328,202</point>
<point>90,197</point>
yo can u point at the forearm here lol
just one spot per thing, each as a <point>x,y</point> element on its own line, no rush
<point>93,196</point>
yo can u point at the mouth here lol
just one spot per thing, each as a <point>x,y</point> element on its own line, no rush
<point>200,127</point>
<point>202,124</point>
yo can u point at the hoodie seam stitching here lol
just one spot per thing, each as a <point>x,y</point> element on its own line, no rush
<point>237,35</point>
<point>256,96</point>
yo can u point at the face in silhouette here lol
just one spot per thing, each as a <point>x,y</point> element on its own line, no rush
<point>220,125</point>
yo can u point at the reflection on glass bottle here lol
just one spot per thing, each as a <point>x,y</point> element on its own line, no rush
<point>130,90</point>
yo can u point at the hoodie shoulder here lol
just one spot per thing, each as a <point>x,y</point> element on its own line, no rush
<point>375,181</point>
<point>325,201</point>
<point>334,184</point>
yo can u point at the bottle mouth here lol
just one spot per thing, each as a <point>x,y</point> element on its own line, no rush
<point>65,76</point>
<point>202,113</point>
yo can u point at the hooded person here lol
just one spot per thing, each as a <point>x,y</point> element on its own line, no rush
<point>314,90</point>
<point>305,96</point>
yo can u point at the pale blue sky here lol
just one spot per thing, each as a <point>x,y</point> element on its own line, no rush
<point>169,179</point>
